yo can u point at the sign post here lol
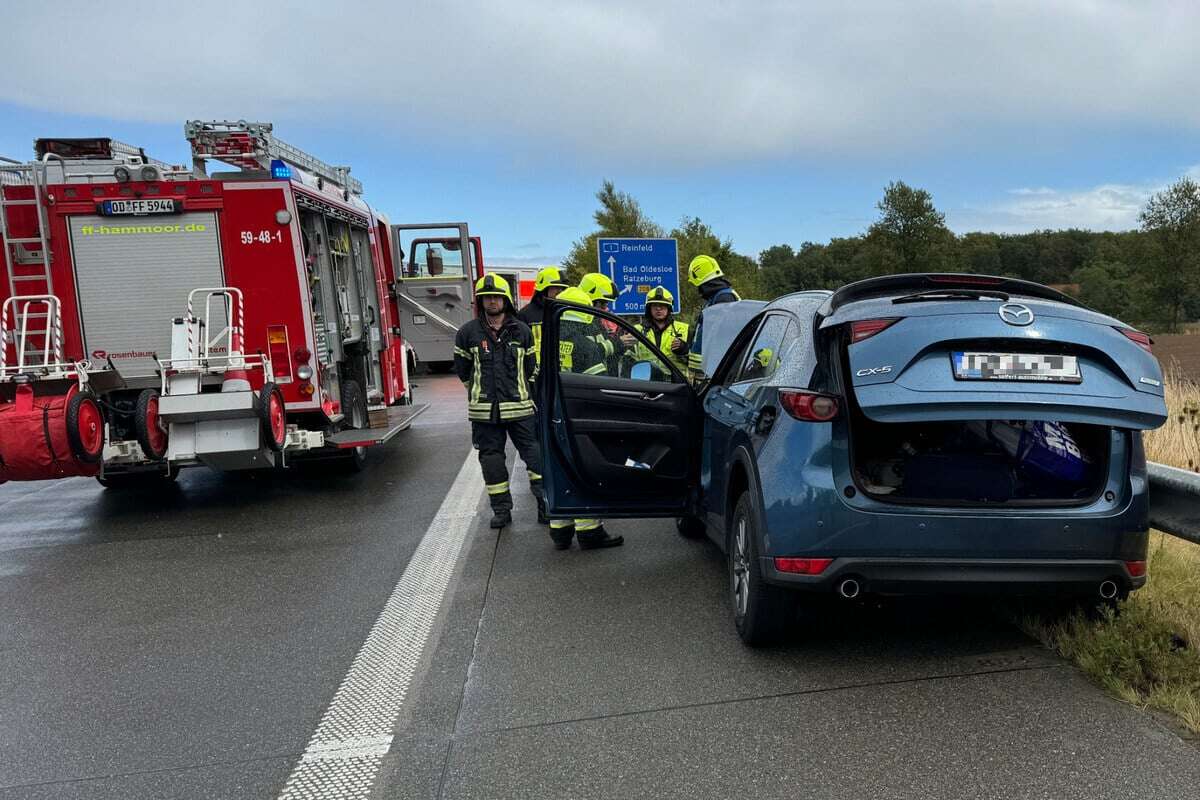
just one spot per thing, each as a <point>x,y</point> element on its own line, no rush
<point>637,266</point>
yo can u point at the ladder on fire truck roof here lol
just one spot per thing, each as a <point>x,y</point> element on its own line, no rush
<point>28,270</point>
<point>251,145</point>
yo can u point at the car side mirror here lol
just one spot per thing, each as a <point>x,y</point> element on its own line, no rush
<point>641,371</point>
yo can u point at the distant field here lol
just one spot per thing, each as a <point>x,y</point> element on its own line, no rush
<point>1180,352</point>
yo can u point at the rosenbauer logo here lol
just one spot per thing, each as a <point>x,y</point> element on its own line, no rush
<point>125,230</point>
<point>104,354</point>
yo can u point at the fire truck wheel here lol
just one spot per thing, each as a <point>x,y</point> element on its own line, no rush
<point>147,427</point>
<point>354,406</point>
<point>440,367</point>
<point>272,416</point>
<point>85,428</point>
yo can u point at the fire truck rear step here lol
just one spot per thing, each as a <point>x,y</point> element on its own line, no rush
<point>400,418</point>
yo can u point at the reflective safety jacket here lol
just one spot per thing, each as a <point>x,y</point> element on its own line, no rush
<point>498,368</point>
<point>532,315</point>
<point>579,348</point>
<point>695,356</point>
<point>663,340</point>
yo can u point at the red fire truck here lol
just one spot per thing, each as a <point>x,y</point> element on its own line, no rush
<point>157,316</point>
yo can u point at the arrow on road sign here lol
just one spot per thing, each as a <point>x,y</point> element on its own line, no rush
<point>611,262</point>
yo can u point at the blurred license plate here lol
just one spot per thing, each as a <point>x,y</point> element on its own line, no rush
<point>1016,367</point>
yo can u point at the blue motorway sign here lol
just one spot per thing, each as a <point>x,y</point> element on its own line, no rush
<point>637,266</point>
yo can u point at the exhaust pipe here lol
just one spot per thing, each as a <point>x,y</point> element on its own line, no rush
<point>849,588</point>
<point>1108,589</point>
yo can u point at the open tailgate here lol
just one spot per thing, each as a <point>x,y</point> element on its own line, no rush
<point>961,366</point>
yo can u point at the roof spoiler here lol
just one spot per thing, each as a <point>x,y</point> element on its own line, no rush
<point>932,281</point>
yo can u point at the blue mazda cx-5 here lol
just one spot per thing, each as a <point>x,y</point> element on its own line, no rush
<point>904,434</point>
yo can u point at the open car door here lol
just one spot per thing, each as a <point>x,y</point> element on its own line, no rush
<point>620,427</point>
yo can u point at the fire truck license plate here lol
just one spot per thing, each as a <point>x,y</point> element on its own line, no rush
<point>118,208</point>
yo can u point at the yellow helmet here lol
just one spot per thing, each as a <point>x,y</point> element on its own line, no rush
<point>547,277</point>
<point>598,286</point>
<point>703,269</point>
<point>578,297</point>
<point>492,283</point>
<point>660,295</point>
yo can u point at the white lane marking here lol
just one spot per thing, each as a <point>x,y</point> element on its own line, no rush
<point>344,754</point>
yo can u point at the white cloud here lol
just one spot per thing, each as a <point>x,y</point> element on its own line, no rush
<point>1108,207</point>
<point>676,81</point>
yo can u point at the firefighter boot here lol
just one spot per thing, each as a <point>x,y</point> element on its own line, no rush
<point>562,531</point>
<point>542,518</point>
<point>501,509</point>
<point>597,538</point>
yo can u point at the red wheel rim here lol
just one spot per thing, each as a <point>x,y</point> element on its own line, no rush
<point>278,423</point>
<point>154,431</point>
<point>91,426</point>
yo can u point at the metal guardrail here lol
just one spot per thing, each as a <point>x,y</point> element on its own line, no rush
<point>1175,501</point>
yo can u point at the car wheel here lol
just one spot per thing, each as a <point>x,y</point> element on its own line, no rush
<point>760,611</point>
<point>689,527</point>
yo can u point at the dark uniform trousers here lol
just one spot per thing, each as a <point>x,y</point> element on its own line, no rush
<point>489,439</point>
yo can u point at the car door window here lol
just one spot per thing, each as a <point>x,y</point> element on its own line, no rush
<point>762,357</point>
<point>599,346</point>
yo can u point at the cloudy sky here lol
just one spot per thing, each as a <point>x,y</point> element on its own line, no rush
<point>773,121</point>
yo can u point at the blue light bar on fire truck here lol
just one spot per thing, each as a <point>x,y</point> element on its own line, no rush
<point>280,170</point>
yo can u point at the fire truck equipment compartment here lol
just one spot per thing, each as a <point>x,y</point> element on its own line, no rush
<point>130,270</point>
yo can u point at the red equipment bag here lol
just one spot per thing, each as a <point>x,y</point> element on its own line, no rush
<point>52,436</point>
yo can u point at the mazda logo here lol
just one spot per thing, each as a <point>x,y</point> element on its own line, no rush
<point>1016,314</point>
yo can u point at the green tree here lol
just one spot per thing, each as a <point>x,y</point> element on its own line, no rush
<point>910,234</point>
<point>1172,221</point>
<point>980,253</point>
<point>1111,287</point>
<point>696,237</point>
<point>618,215</point>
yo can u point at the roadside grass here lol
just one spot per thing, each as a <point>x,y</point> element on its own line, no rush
<point>1146,650</point>
<point>1177,442</point>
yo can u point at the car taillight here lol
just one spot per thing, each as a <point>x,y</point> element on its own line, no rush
<point>807,406</point>
<point>1136,568</point>
<point>866,328</point>
<point>803,566</point>
<point>277,346</point>
<point>1142,340</point>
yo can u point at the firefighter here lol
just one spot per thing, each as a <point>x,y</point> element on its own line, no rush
<point>494,358</point>
<point>705,274</point>
<point>601,291</point>
<point>580,351</point>
<point>669,335</point>
<point>548,284</point>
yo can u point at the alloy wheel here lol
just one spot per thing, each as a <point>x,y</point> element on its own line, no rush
<point>741,567</point>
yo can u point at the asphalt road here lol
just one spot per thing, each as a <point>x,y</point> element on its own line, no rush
<point>188,643</point>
